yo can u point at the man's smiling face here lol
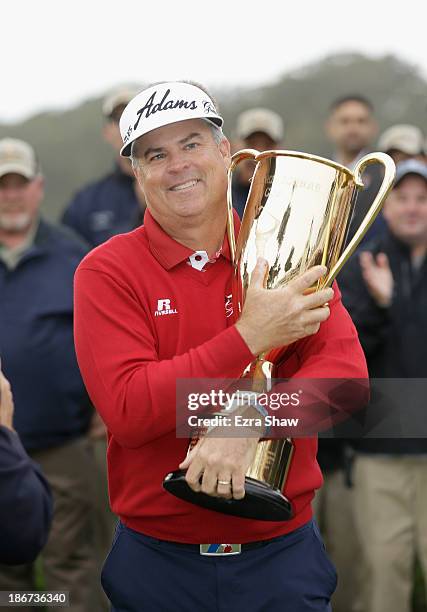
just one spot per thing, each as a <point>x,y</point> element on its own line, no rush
<point>405,210</point>
<point>183,172</point>
<point>20,200</point>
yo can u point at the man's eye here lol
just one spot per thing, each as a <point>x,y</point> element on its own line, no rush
<point>157,157</point>
<point>191,145</point>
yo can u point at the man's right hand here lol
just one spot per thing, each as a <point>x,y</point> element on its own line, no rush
<point>6,403</point>
<point>279,317</point>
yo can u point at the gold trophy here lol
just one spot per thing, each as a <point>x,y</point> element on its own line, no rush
<point>297,215</point>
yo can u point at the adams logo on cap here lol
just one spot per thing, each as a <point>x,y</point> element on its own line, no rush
<point>150,108</point>
<point>161,105</point>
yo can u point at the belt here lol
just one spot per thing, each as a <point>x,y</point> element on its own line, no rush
<point>215,549</point>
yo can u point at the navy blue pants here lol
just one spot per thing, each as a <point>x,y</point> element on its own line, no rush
<point>291,574</point>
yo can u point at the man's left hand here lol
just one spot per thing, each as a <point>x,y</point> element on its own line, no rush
<point>6,403</point>
<point>97,429</point>
<point>217,466</point>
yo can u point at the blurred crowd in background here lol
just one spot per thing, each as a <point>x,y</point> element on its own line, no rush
<point>372,508</point>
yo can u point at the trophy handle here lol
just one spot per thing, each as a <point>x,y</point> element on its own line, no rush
<point>236,159</point>
<point>386,185</point>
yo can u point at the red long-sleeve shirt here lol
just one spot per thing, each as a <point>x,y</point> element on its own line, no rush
<point>143,318</point>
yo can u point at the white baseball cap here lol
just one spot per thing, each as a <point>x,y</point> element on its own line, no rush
<point>403,137</point>
<point>161,105</point>
<point>408,167</point>
<point>119,96</point>
<point>260,120</point>
<point>17,157</point>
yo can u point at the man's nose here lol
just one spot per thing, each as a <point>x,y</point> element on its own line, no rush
<point>412,206</point>
<point>177,162</point>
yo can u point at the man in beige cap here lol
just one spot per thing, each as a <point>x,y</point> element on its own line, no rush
<point>52,413</point>
<point>402,141</point>
<point>21,193</point>
<point>114,203</point>
<point>260,129</point>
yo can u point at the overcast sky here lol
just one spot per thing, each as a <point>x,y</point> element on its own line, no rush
<point>55,54</point>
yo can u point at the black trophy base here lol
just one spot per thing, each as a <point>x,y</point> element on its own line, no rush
<point>261,502</point>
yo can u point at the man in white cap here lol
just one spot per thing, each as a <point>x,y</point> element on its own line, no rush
<point>260,129</point>
<point>402,141</point>
<point>151,307</point>
<point>112,204</point>
<point>52,412</point>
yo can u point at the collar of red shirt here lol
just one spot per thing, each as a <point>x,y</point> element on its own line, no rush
<point>168,252</point>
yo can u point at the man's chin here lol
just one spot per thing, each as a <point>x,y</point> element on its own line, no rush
<point>189,212</point>
<point>413,238</point>
<point>354,148</point>
<point>188,207</point>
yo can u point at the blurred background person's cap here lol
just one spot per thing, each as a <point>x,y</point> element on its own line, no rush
<point>260,120</point>
<point>410,166</point>
<point>17,157</point>
<point>403,137</point>
<point>118,98</point>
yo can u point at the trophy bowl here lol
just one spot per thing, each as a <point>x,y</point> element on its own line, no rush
<point>298,214</point>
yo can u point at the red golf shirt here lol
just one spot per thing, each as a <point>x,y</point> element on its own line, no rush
<point>145,317</point>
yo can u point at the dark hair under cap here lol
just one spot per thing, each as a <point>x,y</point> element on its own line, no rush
<point>351,98</point>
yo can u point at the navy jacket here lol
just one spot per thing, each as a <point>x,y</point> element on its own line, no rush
<point>372,179</point>
<point>99,210</point>
<point>36,340</point>
<point>240,194</point>
<point>26,505</point>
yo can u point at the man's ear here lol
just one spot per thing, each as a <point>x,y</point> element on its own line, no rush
<point>225,149</point>
<point>374,129</point>
<point>40,181</point>
<point>137,172</point>
<point>329,128</point>
<point>387,205</point>
<point>107,132</point>
<point>37,186</point>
